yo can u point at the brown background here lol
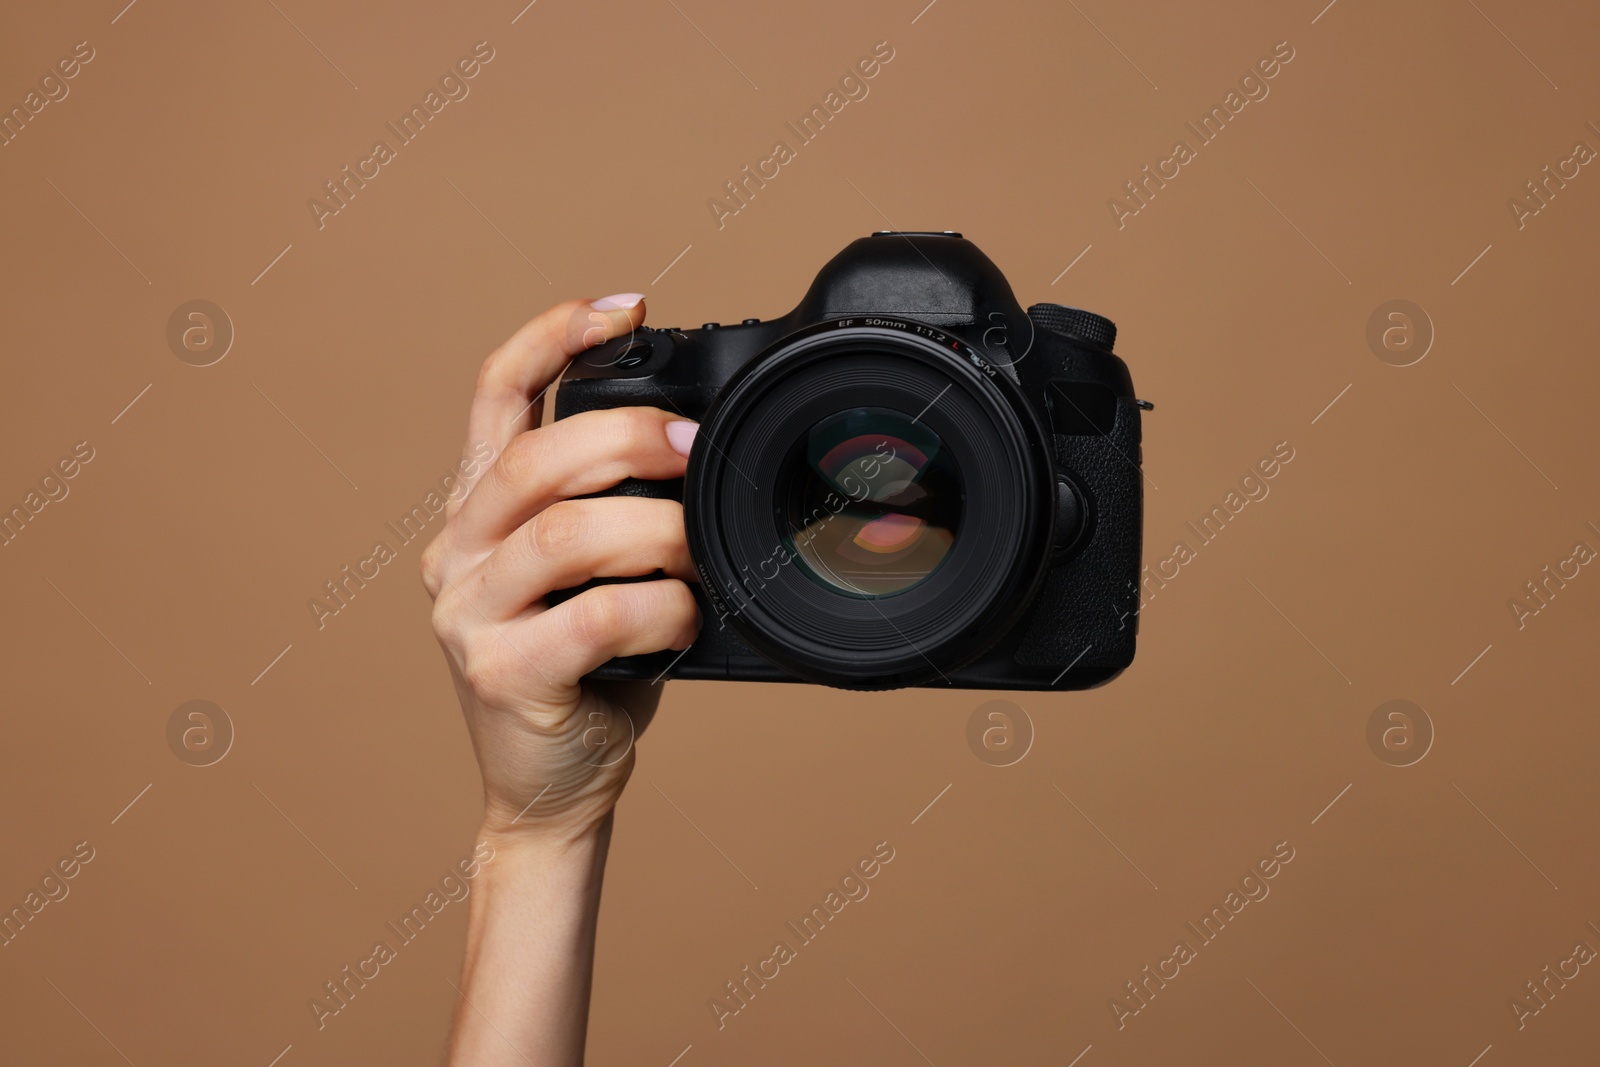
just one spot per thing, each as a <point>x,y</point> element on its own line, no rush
<point>185,555</point>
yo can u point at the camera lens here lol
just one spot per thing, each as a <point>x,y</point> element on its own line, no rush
<point>869,502</point>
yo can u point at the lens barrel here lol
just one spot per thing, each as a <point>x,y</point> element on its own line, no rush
<point>870,504</point>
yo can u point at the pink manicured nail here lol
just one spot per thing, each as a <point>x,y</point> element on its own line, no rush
<point>618,301</point>
<point>680,435</point>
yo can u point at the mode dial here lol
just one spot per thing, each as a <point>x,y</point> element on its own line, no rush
<point>1076,323</point>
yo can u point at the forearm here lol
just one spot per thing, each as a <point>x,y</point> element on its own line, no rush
<point>530,954</point>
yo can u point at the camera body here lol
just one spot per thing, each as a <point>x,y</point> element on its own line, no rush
<point>906,480</point>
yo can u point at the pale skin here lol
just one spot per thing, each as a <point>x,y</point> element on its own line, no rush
<point>518,664</point>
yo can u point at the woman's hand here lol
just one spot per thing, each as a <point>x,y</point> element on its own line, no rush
<point>555,753</point>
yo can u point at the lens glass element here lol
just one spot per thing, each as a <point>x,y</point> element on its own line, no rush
<point>869,502</point>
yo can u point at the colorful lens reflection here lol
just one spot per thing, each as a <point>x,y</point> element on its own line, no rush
<point>872,502</point>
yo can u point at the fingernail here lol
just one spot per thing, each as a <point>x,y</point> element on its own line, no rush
<point>680,435</point>
<point>618,301</point>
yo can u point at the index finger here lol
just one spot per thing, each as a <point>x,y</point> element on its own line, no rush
<point>509,397</point>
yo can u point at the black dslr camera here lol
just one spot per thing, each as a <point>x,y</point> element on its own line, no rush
<point>905,481</point>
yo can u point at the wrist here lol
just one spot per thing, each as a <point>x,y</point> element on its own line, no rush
<point>550,836</point>
<point>560,850</point>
